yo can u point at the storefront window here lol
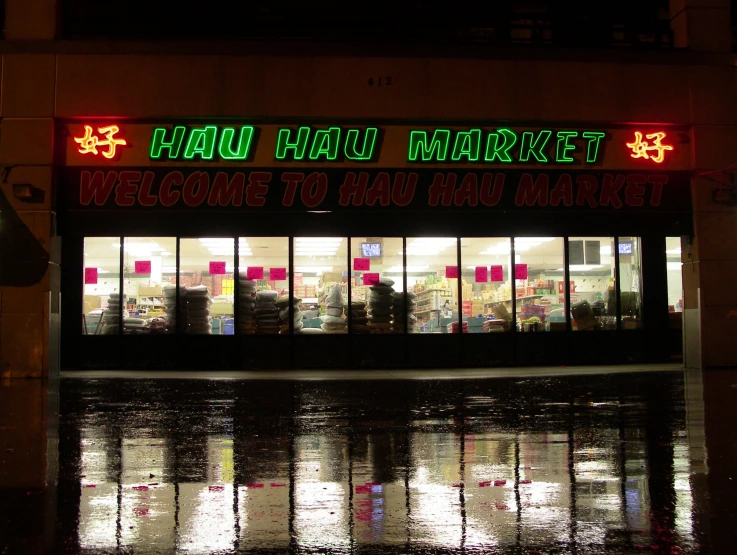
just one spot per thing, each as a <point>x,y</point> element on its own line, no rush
<point>149,267</point>
<point>675,275</point>
<point>539,279</point>
<point>432,284</point>
<point>592,288</point>
<point>321,281</point>
<point>101,289</point>
<point>630,279</point>
<point>487,285</point>
<point>264,287</point>
<point>377,294</point>
<point>206,279</point>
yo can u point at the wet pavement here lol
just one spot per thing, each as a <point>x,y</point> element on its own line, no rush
<point>558,464</point>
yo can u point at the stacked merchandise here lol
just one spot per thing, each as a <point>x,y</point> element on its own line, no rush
<point>267,315</point>
<point>491,326</point>
<point>402,304</point>
<point>247,304</point>
<point>380,303</point>
<point>282,305</point>
<point>170,306</point>
<point>453,327</point>
<point>197,319</point>
<point>111,319</point>
<point>359,321</point>
<point>134,325</point>
<point>332,320</point>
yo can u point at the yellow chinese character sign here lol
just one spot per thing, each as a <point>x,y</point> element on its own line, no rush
<point>89,142</point>
<point>648,151</point>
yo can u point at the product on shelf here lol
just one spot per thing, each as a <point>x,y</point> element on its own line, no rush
<point>197,301</point>
<point>453,327</point>
<point>491,326</point>
<point>111,319</point>
<point>359,320</point>
<point>403,306</point>
<point>247,304</point>
<point>266,313</point>
<point>380,306</point>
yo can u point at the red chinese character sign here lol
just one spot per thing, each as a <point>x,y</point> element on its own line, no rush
<point>650,149</point>
<point>89,142</point>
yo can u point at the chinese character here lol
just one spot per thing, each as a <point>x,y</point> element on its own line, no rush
<point>89,143</point>
<point>641,148</point>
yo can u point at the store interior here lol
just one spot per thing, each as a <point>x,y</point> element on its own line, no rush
<point>362,285</point>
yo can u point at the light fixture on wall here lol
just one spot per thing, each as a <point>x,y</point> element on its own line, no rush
<point>25,192</point>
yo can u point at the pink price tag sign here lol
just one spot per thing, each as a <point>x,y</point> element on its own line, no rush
<point>497,273</point>
<point>482,274</point>
<point>362,264</point>
<point>90,276</point>
<point>255,272</point>
<point>451,272</point>
<point>143,267</point>
<point>520,271</point>
<point>370,278</point>
<point>217,268</point>
<point>278,274</point>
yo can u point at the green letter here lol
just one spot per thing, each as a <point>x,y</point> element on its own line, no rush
<point>299,146</point>
<point>563,146</point>
<point>468,144</point>
<point>500,151</point>
<point>201,141</point>
<point>326,142</point>
<point>225,149</point>
<point>534,147</point>
<point>369,140</point>
<point>437,148</point>
<point>592,149</point>
<point>158,143</point>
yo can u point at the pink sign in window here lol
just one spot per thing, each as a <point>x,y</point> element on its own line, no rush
<point>255,272</point>
<point>90,276</point>
<point>520,271</point>
<point>143,267</point>
<point>217,268</point>
<point>362,264</point>
<point>497,273</point>
<point>482,274</point>
<point>370,278</point>
<point>278,274</point>
<point>451,272</point>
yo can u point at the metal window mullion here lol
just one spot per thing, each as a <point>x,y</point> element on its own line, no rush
<point>350,289</point>
<point>121,285</point>
<point>236,288</point>
<point>513,279</point>
<point>566,283</point>
<point>617,285</point>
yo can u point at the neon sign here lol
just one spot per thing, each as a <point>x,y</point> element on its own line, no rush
<point>642,149</point>
<point>89,142</point>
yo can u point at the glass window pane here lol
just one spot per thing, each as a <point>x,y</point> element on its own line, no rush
<point>539,277</point>
<point>321,281</point>
<point>592,275</point>
<point>101,289</point>
<point>675,275</point>
<point>377,298</point>
<point>206,276</point>
<point>432,263</point>
<point>264,286</point>
<point>487,284</point>
<point>630,276</point>
<point>149,265</point>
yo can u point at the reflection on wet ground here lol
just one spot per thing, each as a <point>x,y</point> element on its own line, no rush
<point>585,464</point>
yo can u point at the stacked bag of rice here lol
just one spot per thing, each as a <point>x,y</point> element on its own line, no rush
<point>247,304</point>
<point>332,320</point>
<point>359,321</point>
<point>267,315</point>
<point>111,319</point>
<point>403,304</point>
<point>170,306</point>
<point>197,319</point>
<point>380,306</point>
<point>282,305</point>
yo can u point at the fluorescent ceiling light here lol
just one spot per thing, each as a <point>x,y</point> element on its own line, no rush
<point>319,240</point>
<point>605,250</point>
<point>101,271</point>
<point>533,239</point>
<point>581,267</point>
<point>673,251</point>
<point>400,269</point>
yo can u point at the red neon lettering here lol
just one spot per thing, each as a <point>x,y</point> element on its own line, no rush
<point>658,181</point>
<point>145,198</point>
<point>97,186</point>
<point>587,186</point>
<point>642,149</point>
<point>531,194</point>
<point>257,188</point>
<point>195,188</point>
<point>314,189</point>
<point>635,189</point>
<point>292,179</point>
<point>402,195</point>
<point>610,190</point>
<point>563,191</point>
<point>352,192</point>
<point>224,192</point>
<point>379,190</point>
<point>468,192</point>
<point>125,192</point>
<point>169,197</point>
<point>488,196</point>
<point>442,186</point>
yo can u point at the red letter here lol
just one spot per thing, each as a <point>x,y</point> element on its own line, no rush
<point>169,198</point>
<point>224,192</point>
<point>489,197</point>
<point>145,198</point>
<point>402,196</point>
<point>442,188</point>
<point>587,186</point>
<point>352,192</point>
<point>610,190</point>
<point>127,186</point>
<point>530,194</point>
<point>314,189</point>
<point>196,179</point>
<point>292,179</point>
<point>379,190</point>
<point>563,190</point>
<point>468,192</point>
<point>257,188</point>
<point>98,187</point>
<point>658,181</point>
<point>635,189</point>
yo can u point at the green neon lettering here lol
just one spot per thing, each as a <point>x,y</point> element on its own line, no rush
<point>564,146</point>
<point>592,148</point>
<point>284,143</point>
<point>437,149</point>
<point>534,147</point>
<point>369,141</point>
<point>496,151</point>
<point>201,141</point>
<point>225,148</point>
<point>468,144</point>
<point>159,142</point>
<point>325,143</point>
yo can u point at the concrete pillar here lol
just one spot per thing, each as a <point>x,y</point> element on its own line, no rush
<point>701,25</point>
<point>29,277</point>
